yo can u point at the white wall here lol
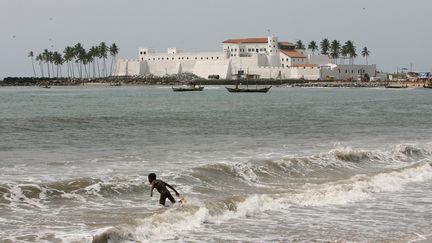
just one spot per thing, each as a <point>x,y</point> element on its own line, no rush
<point>348,71</point>
<point>318,59</point>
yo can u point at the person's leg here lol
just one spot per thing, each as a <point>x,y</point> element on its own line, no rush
<point>162,199</point>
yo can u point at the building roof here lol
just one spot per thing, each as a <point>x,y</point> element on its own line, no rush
<point>293,53</point>
<point>286,43</point>
<point>305,65</point>
<point>246,40</point>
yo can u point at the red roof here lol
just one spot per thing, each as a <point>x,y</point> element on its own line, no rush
<point>293,53</point>
<point>246,40</point>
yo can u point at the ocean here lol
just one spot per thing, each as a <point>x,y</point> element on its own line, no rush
<point>292,165</point>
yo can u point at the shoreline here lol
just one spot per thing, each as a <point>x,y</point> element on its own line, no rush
<point>188,79</point>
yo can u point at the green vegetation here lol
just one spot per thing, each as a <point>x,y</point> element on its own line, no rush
<point>365,53</point>
<point>300,45</point>
<point>335,50</point>
<point>86,61</point>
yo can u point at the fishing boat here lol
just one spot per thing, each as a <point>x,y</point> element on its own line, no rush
<point>240,76</point>
<point>396,86</point>
<point>248,90</point>
<point>191,87</point>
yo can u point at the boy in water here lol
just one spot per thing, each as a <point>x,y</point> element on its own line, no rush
<point>161,187</point>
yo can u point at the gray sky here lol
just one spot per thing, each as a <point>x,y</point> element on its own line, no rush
<point>397,32</point>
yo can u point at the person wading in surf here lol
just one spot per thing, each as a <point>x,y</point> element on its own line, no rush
<point>161,187</point>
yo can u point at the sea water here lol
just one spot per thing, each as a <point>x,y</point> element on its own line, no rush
<point>292,165</point>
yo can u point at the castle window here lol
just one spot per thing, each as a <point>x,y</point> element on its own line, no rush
<point>144,53</point>
<point>162,58</point>
<point>212,58</point>
<point>142,59</point>
<point>217,57</point>
<point>196,58</point>
<point>187,58</point>
<point>141,52</point>
<point>173,58</point>
<point>154,58</point>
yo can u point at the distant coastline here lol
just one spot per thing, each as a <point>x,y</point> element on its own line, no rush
<point>187,79</point>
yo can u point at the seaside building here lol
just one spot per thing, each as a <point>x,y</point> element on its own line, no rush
<point>254,57</point>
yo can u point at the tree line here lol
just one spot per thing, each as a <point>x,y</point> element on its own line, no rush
<point>87,62</point>
<point>335,50</point>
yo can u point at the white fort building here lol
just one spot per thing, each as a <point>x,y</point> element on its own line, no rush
<point>256,57</point>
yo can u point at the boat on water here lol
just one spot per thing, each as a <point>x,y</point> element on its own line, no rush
<point>248,90</point>
<point>242,76</point>
<point>188,88</point>
<point>396,86</point>
<point>46,87</point>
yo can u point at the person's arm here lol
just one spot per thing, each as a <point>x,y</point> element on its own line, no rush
<point>172,188</point>
<point>151,191</point>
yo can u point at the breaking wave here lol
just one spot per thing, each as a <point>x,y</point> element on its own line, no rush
<point>344,162</point>
<point>166,225</point>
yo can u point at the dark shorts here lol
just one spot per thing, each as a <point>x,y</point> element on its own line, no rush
<point>164,196</point>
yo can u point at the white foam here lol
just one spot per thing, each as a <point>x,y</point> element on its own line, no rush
<point>357,188</point>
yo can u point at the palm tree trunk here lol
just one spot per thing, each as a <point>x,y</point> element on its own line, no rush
<point>97,61</point>
<point>105,71</point>
<point>112,62</point>
<point>49,73</point>
<point>34,71</point>
<point>41,67</point>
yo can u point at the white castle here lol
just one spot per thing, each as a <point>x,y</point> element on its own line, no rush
<point>256,57</point>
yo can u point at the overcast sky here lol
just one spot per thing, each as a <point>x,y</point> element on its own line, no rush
<point>397,32</point>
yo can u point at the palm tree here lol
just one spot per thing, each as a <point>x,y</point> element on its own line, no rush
<point>325,46</point>
<point>46,59</point>
<point>94,52</point>
<point>300,45</point>
<point>79,53</point>
<point>344,53</point>
<point>103,53</point>
<point>351,51</point>
<point>365,53</point>
<point>58,61</point>
<point>335,50</point>
<point>113,52</point>
<point>39,58</point>
<point>31,55</point>
<point>68,55</point>
<point>313,46</point>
